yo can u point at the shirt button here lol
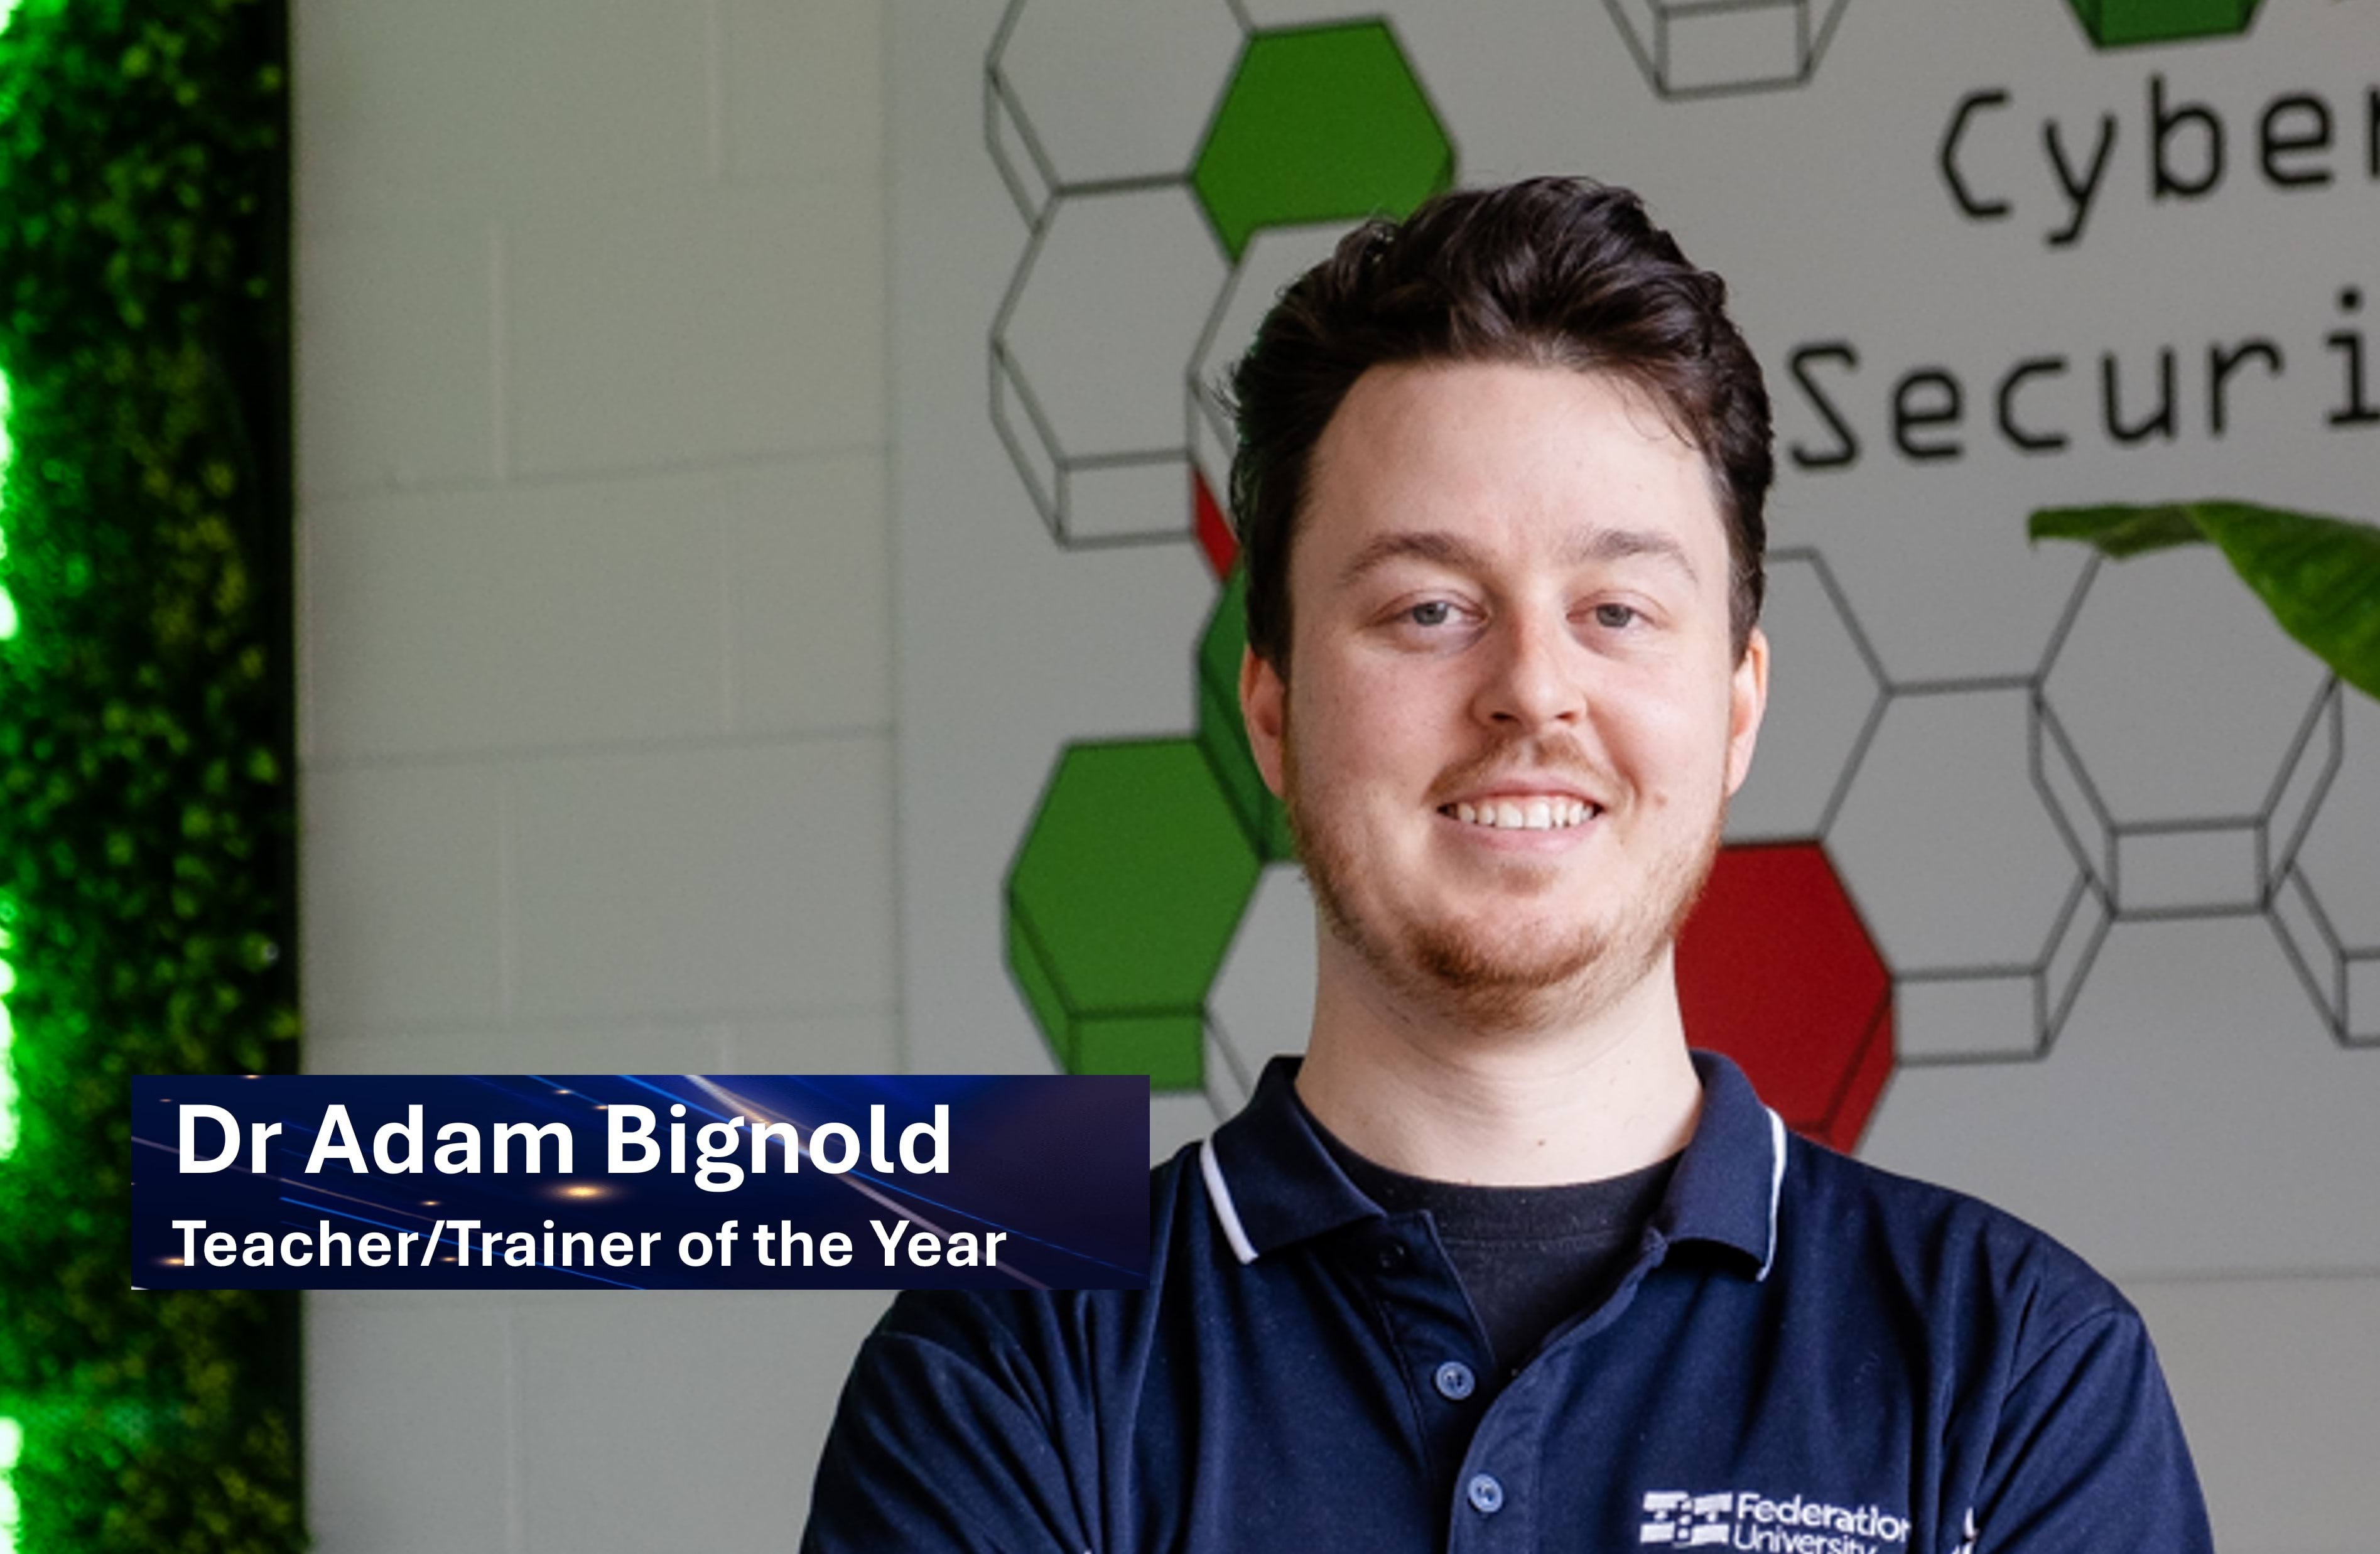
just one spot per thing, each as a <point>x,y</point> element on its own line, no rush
<point>1454,1381</point>
<point>1486,1495</point>
<point>1392,1257</point>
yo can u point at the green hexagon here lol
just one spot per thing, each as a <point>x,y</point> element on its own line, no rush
<point>1320,124</point>
<point>1222,733</point>
<point>1121,903</point>
<point>2119,23</point>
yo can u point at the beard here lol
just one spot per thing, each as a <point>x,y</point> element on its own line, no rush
<point>1483,975</point>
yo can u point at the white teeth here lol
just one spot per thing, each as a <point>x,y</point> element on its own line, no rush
<point>1535,814</point>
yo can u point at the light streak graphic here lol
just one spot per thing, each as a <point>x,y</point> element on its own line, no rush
<point>7,1038</point>
<point>12,1440</point>
<point>8,626</point>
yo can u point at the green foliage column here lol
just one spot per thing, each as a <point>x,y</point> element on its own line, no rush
<point>146,879</point>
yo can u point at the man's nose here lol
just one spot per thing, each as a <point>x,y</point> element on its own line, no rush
<point>1533,675</point>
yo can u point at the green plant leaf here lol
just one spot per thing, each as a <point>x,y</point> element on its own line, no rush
<point>2320,577</point>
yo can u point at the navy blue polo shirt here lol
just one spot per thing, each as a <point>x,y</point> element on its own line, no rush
<point>1809,1356</point>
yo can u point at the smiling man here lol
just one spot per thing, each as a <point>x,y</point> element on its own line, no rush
<point>1503,1263</point>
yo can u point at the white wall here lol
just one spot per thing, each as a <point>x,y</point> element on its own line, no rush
<point>2278,1384</point>
<point>596,724</point>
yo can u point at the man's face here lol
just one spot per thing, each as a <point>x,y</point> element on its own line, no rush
<point>1512,716</point>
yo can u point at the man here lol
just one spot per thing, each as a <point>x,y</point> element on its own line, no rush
<point>1501,1264</point>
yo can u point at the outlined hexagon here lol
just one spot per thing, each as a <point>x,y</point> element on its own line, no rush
<point>1272,259</point>
<point>1120,905</point>
<point>1223,734</point>
<point>1708,48</point>
<point>1319,123</point>
<point>2326,905</point>
<point>1262,1003</point>
<point>1777,971</point>
<point>1825,693</point>
<point>1088,355</point>
<point>1085,93</point>
<point>1988,922</point>
<point>2115,24</point>
<point>2170,820</point>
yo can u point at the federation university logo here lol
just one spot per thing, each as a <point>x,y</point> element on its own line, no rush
<point>1672,1516</point>
<point>1746,1520</point>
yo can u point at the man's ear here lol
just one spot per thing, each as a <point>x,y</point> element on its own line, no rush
<point>1747,701</point>
<point>1264,708</point>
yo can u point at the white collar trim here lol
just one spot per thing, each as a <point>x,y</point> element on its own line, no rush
<point>1226,1213</point>
<point>1776,1185</point>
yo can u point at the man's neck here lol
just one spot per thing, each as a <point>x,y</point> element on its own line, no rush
<point>1577,1100</point>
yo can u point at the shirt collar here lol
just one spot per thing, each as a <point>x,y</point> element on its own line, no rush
<point>1271,1182</point>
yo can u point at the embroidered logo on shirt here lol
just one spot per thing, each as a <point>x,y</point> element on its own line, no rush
<point>1674,1517</point>
<point>1747,1520</point>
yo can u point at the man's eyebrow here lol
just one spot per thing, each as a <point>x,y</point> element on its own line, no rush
<point>1432,545</point>
<point>1451,551</point>
<point>1619,544</point>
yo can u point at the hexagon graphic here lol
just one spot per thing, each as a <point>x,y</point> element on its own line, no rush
<point>1085,93</point>
<point>1262,1004</point>
<point>1121,903</point>
<point>1271,260</point>
<point>1088,355</point>
<point>1223,734</point>
<point>2326,905</point>
<point>1825,693</point>
<point>2169,821</point>
<point>1987,920</point>
<point>1217,541</point>
<point>1776,970</point>
<point>1706,48</point>
<point>2114,24</point>
<point>1322,123</point>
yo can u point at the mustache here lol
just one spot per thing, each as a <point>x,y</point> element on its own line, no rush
<point>1557,755</point>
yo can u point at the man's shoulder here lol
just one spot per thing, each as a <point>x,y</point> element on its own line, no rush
<point>992,1408</point>
<point>998,1328</point>
<point>1940,1250</point>
<point>1894,1205</point>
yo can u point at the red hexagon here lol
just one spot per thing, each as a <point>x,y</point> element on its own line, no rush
<point>1213,528</point>
<point>1776,970</point>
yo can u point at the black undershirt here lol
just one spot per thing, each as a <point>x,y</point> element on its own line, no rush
<point>1529,1257</point>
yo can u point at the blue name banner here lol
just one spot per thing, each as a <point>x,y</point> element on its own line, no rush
<point>640,1182</point>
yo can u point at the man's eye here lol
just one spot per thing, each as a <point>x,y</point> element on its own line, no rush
<point>1616,617</point>
<point>1437,612</point>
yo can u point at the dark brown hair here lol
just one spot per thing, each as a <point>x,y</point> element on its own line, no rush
<point>1550,272</point>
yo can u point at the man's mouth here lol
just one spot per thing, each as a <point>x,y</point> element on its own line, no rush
<point>1523,814</point>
